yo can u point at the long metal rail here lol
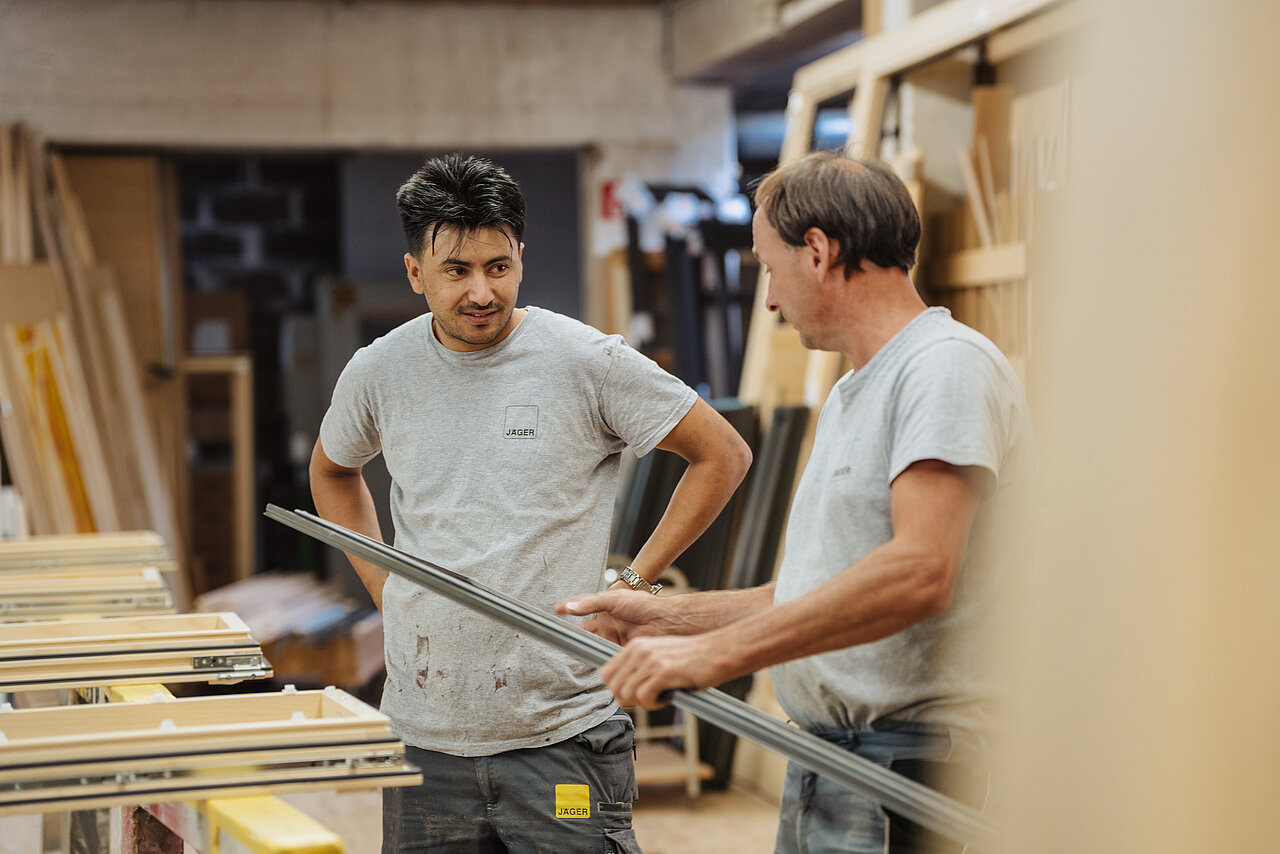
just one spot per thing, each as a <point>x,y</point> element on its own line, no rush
<point>905,797</point>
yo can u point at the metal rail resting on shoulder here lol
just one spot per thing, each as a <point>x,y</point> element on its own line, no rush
<point>905,797</point>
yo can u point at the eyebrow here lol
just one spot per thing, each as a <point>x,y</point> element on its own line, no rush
<point>458,262</point>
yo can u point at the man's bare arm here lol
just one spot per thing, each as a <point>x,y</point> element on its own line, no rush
<point>342,496</point>
<point>718,460</point>
<point>907,580</point>
<point>626,614</point>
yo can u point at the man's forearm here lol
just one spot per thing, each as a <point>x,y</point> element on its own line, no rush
<point>346,500</point>
<point>701,494</point>
<point>889,590</point>
<point>709,610</point>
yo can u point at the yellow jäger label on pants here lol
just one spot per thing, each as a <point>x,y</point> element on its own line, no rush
<point>573,801</point>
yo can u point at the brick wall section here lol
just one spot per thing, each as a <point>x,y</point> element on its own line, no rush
<point>266,228</point>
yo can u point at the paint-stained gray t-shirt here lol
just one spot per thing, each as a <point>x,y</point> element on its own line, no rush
<point>937,390</point>
<point>504,465</point>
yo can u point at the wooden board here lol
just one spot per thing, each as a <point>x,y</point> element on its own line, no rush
<point>77,757</point>
<point>79,579</point>
<point>85,550</point>
<point>160,514</point>
<point>87,378</point>
<point>991,111</point>
<point>981,267</point>
<point>36,370</point>
<point>95,592</point>
<point>129,209</point>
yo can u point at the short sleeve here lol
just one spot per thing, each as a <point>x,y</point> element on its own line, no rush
<point>953,404</point>
<point>349,430</point>
<point>639,401</point>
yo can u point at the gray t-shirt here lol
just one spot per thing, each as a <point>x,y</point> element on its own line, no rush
<point>938,390</point>
<point>504,466</point>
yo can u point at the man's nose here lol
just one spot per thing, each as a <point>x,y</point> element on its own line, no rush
<point>479,289</point>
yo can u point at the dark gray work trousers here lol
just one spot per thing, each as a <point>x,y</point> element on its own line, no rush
<point>565,798</point>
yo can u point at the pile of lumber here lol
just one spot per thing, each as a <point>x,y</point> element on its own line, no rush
<point>85,575</point>
<point>76,438</point>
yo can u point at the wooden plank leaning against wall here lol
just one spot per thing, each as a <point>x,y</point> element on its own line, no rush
<point>83,454</point>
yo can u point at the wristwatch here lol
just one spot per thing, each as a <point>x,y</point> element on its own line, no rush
<point>632,579</point>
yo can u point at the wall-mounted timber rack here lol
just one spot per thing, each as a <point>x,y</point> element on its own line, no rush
<point>82,757</point>
<point>58,654</point>
<point>135,548</point>
<point>107,591</point>
<point>906,797</point>
<point>867,69</point>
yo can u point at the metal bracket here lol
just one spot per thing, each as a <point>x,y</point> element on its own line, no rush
<point>228,662</point>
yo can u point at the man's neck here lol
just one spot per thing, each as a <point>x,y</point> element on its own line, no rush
<point>885,304</point>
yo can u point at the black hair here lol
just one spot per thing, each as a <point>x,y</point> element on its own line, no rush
<point>462,192</point>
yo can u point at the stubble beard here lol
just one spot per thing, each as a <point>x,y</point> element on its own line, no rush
<point>458,329</point>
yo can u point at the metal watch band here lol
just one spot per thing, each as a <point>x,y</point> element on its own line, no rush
<point>632,579</point>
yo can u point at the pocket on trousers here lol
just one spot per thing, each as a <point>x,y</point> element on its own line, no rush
<point>613,736</point>
<point>617,828</point>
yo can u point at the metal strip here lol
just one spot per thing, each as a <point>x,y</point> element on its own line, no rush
<point>905,797</point>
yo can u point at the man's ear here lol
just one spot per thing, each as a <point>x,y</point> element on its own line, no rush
<point>821,250</point>
<point>414,272</point>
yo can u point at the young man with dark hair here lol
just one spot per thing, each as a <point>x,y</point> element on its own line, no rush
<point>903,532</point>
<point>501,428</point>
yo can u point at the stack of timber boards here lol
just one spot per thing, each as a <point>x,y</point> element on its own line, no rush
<point>85,575</point>
<point>104,591</point>
<point>136,548</point>
<point>60,654</point>
<point>82,757</point>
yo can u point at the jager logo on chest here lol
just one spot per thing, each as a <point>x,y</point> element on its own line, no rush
<point>521,423</point>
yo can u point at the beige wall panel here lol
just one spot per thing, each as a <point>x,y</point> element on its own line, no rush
<point>1148,706</point>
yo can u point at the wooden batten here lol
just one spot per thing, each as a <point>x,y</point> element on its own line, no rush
<point>158,510</point>
<point>976,268</point>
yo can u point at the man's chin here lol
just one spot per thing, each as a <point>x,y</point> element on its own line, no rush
<point>478,337</point>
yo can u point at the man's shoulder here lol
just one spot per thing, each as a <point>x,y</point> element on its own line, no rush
<point>943,338</point>
<point>567,332</point>
<point>395,346</point>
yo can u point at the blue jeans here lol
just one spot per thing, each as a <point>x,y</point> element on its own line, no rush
<point>565,798</point>
<point>821,817</point>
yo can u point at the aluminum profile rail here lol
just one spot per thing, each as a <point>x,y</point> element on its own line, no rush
<point>906,797</point>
